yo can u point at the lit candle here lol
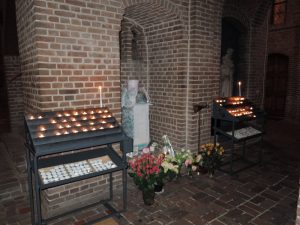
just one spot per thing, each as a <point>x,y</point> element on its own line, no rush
<point>100,91</point>
<point>41,135</point>
<point>240,84</point>
<point>42,128</point>
<point>75,131</point>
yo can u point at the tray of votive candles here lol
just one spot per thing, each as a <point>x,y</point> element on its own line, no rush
<point>75,169</point>
<point>102,163</point>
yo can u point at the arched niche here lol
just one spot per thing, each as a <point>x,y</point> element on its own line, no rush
<point>235,37</point>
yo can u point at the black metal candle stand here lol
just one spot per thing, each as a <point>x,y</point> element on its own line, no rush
<point>85,136</point>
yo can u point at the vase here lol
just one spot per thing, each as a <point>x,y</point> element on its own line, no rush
<point>158,188</point>
<point>179,172</point>
<point>211,172</point>
<point>148,196</point>
<point>202,170</point>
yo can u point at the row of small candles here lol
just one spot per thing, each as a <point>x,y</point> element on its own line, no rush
<point>104,114</point>
<point>231,101</point>
<point>63,131</point>
<point>72,122</point>
<point>241,112</point>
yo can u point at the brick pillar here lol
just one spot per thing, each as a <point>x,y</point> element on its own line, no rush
<point>204,66</point>
<point>14,91</point>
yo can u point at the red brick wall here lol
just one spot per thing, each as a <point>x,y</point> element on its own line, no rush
<point>14,91</point>
<point>204,65</point>
<point>27,49</point>
<point>76,49</point>
<point>284,39</point>
<point>167,80</point>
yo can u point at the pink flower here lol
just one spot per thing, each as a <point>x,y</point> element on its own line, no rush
<point>188,162</point>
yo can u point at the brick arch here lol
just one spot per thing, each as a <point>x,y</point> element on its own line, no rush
<point>232,11</point>
<point>166,4</point>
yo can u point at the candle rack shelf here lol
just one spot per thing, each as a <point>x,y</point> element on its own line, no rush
<point>68,146</point>
<point>236,119</point>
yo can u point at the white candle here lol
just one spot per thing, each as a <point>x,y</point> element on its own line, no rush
<point>240,84</point>
<point>100,90</point>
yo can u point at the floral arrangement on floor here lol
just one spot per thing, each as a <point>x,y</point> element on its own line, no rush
<point>211,156</point>
<point>170,169</point>
<point>145,170</point>
<point>150,170</point>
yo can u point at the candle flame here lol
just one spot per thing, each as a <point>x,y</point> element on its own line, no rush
<point>42,128</point>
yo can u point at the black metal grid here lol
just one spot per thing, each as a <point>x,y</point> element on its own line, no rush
<point>85,134</point>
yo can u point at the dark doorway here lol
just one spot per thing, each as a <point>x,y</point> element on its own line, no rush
<point>276,85</point>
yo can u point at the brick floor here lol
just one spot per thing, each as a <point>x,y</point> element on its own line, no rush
<point>257,196</point>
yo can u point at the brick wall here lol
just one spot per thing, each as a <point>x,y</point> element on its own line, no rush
<point>204,65</point>
<point>77,194</point>
<point>27,49</point>
<point>14,91</point>
<point>76,49</point>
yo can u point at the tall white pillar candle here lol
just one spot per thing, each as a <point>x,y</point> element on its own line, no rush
<point>100,90</point>
<point>240,84</point>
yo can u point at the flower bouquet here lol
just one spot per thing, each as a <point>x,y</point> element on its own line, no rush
<point>181,157</point>
<point>170,169</point>
<point>193,163</point>
<point>146,172</point>
<point>211,156</point>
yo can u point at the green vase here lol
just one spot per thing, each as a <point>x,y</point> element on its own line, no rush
<point>148,196</point>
